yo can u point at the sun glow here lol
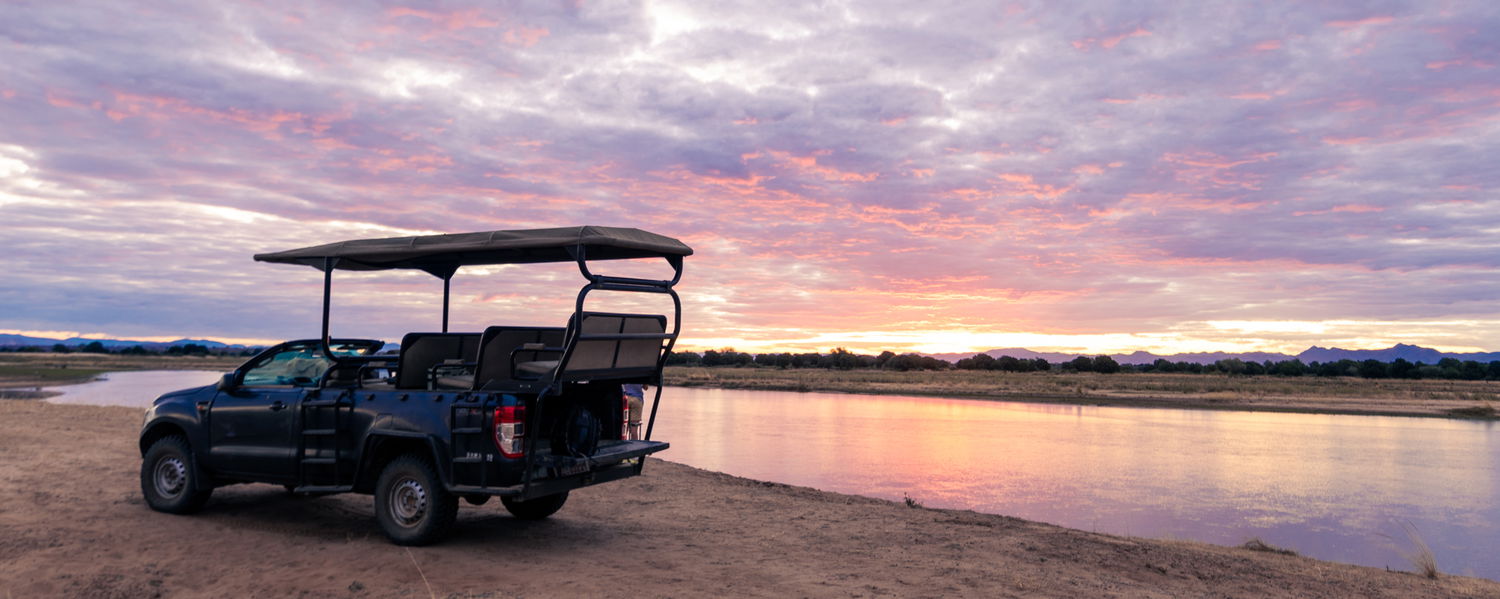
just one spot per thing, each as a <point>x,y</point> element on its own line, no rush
<point>1234,336</point>
<point>932,342</point>
<point>248,341</point>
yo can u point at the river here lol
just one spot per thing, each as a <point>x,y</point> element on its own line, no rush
<point>1333,487</point>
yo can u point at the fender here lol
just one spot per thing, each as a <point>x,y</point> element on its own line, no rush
<point>177,413</point>
<point>369,456</point>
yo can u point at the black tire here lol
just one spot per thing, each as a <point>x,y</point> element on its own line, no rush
<point>411,504</point>
<point>535,509</point>
<point>169,477</point>
<point>476,499</point>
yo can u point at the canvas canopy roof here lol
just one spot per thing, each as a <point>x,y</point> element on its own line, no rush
<point>440,255</point>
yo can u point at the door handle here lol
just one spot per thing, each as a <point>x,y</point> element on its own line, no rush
<point>278,406</point>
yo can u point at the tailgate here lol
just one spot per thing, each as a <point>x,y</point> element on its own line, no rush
<point>608,454</point>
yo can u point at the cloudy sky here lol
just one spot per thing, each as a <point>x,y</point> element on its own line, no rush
<point>931,176</point>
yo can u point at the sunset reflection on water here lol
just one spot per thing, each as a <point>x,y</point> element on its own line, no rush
<point>1333,487</point>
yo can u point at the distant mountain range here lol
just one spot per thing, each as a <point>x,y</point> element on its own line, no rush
<point>1410,353</point>
<point>7,340</point>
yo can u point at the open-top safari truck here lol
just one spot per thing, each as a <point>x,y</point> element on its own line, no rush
<point>526,413</point>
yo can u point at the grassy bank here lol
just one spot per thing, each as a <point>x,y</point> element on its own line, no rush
<point>1302,394</point>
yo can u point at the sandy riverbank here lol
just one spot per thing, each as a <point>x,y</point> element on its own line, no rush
<point>74,525</point>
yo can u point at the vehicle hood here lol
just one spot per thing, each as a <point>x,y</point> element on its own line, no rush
<point>193,391</point>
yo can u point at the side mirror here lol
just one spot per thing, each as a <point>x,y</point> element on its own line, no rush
<point>226,382</point>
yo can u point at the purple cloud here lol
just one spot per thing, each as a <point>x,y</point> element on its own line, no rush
<point>955,171</point>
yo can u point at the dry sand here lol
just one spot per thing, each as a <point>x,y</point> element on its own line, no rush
<point>73,524</point>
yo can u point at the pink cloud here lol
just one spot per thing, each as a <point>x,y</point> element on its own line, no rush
<point>1139,98</point>
<point>1025,184</point>
<point>128,105</point>
<point>1089,43</point>
<point>1376,20</point>
<point>1267,46</point>
<point>1344,208</point>
<point>451,21</point>
<point>525,37</point>
<point>56,98</point>
<point>1158,203</point>
<point>1346,141</point>
<point>808,165</point>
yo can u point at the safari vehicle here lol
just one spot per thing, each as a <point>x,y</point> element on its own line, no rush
<point>525,413</point>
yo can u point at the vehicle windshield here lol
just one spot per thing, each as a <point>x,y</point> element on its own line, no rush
<point>302,363</point>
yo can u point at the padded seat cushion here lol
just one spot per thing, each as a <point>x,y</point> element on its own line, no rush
<point>537,367</point>
<point>456,381</point>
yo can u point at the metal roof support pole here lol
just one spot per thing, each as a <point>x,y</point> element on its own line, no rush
<point>661,362</point>
<point>328,263</point>
<point>446,280</point>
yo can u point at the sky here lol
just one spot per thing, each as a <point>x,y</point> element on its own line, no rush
<point>1090,176</point>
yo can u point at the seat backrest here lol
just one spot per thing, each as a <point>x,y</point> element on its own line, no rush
<point>603,347</point>
<point>421,351</point>
<point>498,342</point>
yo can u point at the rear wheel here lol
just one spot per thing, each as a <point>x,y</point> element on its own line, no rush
<point>169,477</point>
<point>411,504</point>
<point>535,509</point>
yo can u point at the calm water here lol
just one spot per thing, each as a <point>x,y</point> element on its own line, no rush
<point>133,388</point>
<point>1331,487</point>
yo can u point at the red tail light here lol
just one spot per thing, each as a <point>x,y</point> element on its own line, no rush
<point>624,416</point>
<point>510,430</point>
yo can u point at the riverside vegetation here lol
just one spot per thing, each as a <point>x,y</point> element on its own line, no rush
<point>23,374</point>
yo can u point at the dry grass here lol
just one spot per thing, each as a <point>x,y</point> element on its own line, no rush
<point>1482,411</point>
<point>1420,556</point>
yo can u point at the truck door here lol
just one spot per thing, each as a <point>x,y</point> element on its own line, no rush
<point>252,425</point>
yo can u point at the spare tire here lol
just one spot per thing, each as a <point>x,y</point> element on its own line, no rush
<point>577,433</point>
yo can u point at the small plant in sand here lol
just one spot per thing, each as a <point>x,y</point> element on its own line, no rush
<point>1421,555</point>
<point>911,503</point>
<point>1255,544</point>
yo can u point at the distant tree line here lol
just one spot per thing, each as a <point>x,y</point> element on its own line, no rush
<point>1400,368</point>
<point>838,359</point>
<point>95,347</point>
<point>843,359</point>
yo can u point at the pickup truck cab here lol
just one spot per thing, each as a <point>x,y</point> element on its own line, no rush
<point>523,412</point>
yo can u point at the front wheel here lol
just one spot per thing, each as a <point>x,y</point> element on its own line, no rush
<point>411,504</point>
<point>535,509</point>
<point>169,478</point>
